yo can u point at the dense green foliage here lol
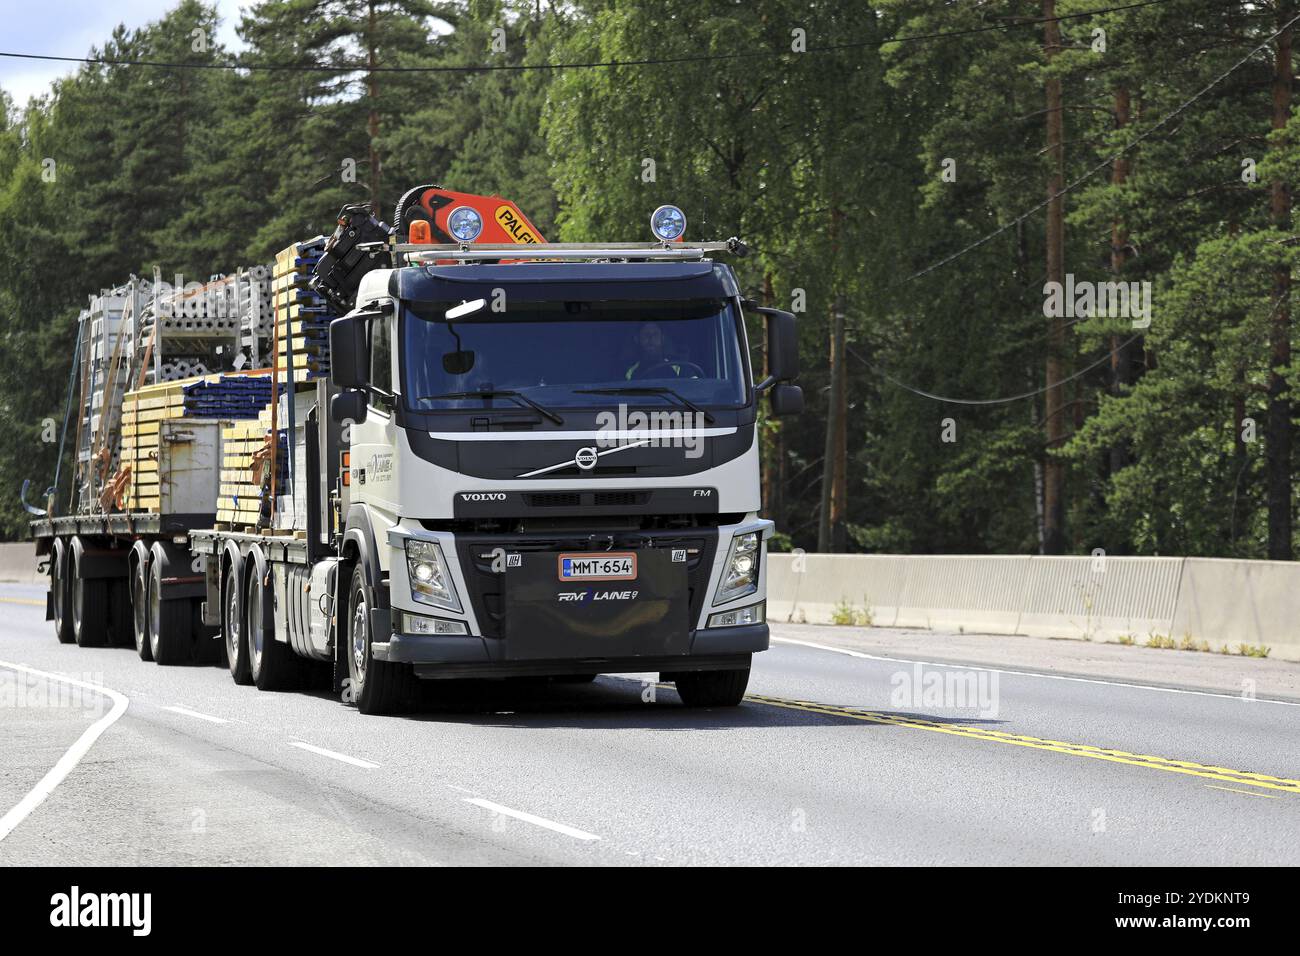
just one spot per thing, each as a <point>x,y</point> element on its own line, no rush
<point>829,161</point>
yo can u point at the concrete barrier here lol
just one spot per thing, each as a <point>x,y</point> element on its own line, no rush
<point>1101,598</point>
<point>18,562</point>
<point>1251,602</point>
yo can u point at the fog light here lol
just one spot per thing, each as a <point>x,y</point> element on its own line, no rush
<point>418,624</point>
<point>754,614</point>
<point>668,223</point>
<point>464,223</point>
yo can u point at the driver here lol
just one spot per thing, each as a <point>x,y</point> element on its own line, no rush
<point>652,360</point>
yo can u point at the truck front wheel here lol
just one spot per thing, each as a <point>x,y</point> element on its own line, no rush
<point>712,688</point>
<point>378,687</point>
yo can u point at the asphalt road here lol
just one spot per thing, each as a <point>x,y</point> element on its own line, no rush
<point>835,759</point>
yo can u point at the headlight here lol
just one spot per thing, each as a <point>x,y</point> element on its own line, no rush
<point>740,573</point>
<point>427,572</point>
<point>464,223</point>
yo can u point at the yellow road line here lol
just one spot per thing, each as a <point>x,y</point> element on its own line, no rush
<point>1169,765</point>
<point>32,601</point>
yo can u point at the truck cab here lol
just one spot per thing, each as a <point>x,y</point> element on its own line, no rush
<point>551,468</point>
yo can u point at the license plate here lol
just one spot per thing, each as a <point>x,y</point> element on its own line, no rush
<point>597,566</point>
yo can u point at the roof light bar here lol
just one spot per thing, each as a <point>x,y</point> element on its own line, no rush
<point>573,252</point>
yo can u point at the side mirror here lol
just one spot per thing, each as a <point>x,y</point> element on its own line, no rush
<point>349,406</point>
<point>782,345</point>
<point>350,351</point>
<point>786,400</point>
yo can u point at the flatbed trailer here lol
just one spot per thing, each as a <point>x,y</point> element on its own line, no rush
<point>103,569</point>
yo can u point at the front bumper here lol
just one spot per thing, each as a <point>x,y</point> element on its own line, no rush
<point>718,648</point>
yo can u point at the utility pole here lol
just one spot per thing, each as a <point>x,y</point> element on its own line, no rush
<point>1054,404</point>
<point>774,473</point>
<point>1278,447</point>
<point>830,524</point>
<point>1120,360</point>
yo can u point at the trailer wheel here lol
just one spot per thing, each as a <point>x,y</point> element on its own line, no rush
<point>378,687</point>
<point>712,688</point>
<point>232,625</point>
<point>140,610</point>
<point>89,603</point>
<point>170,640</point>
<point>272,664</point>
<point>59,591</point>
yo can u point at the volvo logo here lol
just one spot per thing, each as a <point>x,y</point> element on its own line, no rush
<point>585,459</point>
<point>482,496</point>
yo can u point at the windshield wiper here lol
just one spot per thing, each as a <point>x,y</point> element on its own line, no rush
<point>499,393</point>
<point>648,390</point>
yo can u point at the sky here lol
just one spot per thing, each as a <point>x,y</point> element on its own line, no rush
<point>71,28</point>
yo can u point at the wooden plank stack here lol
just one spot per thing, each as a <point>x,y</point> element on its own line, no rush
<point>302,316</point>
<point>245,472</point>
<point>143,411</point>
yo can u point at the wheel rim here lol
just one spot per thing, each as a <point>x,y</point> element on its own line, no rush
<point>255,629</point>
<point>155,613</point>
<point>57,585</point>
<point>138,610</point>
<point>77,594</point>
<point>232,621</point>
<point>359,637</point>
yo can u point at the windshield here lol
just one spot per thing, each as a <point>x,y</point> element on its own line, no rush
<point>551,351</point>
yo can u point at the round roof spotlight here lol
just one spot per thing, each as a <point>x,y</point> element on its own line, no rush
<point>464,223</point>
<point>668,223</point>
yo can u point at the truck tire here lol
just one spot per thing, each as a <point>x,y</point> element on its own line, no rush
<point>232,626</point>
<point>272,664</point>
<point>712,688</point>
<point>170,640</point>
<point>89,603</point>
<point>378,687</point>
<point>140,610</point>
<point>60,592</point>
<point>121,628</point>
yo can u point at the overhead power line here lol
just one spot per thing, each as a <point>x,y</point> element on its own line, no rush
<point>1005,400</point>
<point>1105,163</point>
<point>585,65</point>
<point>1033,209</point>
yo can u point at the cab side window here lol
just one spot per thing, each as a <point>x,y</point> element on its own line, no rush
<point>381,356</point>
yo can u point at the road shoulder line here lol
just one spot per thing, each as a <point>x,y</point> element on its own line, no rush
<point>71,757</point>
